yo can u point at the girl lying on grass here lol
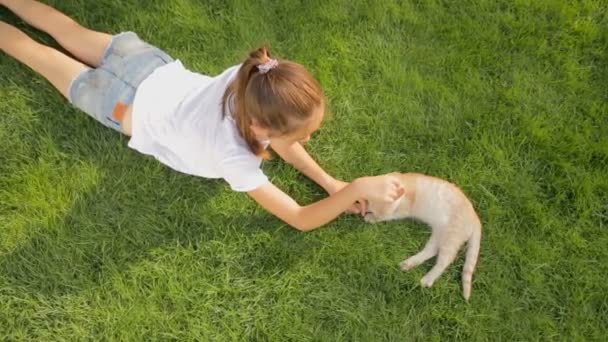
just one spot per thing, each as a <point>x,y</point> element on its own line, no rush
<point>212,127</point>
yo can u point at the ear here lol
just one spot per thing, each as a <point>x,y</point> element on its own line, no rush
<point>390,211</point>
<point>261,133</point>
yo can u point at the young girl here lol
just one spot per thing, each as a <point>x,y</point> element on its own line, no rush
<point>212,127</point>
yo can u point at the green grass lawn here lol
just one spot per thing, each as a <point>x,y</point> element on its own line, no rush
<point>508,99</point>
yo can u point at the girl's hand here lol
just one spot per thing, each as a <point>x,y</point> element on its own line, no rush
<point>359,207</point>
<point>383,189</point>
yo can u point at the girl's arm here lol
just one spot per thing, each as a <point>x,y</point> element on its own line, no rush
<point>295,154</point>
<point>305,218</point>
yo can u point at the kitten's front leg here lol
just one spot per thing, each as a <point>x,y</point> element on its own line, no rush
<point>379,213</point>
<point>371,218</point>
<point>429,251</point>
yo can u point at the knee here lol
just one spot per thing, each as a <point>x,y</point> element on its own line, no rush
<point>68,28</point>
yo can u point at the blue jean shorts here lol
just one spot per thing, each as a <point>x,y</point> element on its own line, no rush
<point>103,91</point>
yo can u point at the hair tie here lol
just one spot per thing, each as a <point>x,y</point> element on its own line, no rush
<point>265,67</point>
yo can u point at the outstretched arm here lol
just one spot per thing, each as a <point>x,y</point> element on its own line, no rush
<point>305,218</point>
<point>294,154</point>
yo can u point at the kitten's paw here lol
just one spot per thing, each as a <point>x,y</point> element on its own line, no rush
<point>407,265</point>
<point>426,281</point>
<point>371,218</point>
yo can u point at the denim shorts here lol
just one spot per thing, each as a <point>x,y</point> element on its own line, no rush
<point>110,88</point>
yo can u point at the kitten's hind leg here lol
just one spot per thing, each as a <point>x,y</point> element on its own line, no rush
<point>429,251</point>
<point>444,259</point>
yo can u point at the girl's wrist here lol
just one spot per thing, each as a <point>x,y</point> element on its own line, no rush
<point>357,184</point>
<point>329,184</point>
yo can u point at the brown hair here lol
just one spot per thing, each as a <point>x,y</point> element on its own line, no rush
<point>281,99</point>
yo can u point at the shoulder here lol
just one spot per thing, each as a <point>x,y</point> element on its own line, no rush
<point>242,172</point>
<point>240,167</point>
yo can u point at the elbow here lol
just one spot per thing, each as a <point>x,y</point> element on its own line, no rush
<point>302,220</point>
<point>302,227</point>
<point>302,223</point>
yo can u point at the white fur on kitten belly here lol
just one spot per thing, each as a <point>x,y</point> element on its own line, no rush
<point>451,216</point>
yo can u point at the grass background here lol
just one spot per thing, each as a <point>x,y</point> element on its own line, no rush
<point>508,99</point>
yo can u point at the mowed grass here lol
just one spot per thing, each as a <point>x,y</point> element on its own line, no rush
<point>507,99</point>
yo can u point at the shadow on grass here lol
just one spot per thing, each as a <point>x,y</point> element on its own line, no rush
<point>136,205</point>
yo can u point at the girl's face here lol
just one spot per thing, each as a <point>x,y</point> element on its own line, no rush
<point>303,135</point>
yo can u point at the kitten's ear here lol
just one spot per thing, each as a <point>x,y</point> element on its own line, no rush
<point>400,192</point>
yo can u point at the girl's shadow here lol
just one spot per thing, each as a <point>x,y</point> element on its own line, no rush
<point>133,206</point>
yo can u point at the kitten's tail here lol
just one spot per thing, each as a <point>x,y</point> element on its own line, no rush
<point>470,261</point>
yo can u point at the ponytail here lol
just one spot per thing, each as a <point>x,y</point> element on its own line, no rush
<point>279,96</point>
<point>236,91</point>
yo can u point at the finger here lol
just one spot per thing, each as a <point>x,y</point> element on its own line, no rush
<point>393,196</point>
<point>400,191</point>
<point>357,206</point>
<point>396,193</point>
<point>363,205</point>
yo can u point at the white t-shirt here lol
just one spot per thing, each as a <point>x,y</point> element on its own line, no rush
<point>177,119</point>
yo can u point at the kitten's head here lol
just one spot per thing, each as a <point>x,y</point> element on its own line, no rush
<point>377,212</point>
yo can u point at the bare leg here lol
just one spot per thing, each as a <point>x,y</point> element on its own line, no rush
<point>56,67</point>
<point>429,251</point>
<point>86,45</point>
<point>444,259</point>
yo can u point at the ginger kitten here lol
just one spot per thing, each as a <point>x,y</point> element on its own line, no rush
<point>451,216</point>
